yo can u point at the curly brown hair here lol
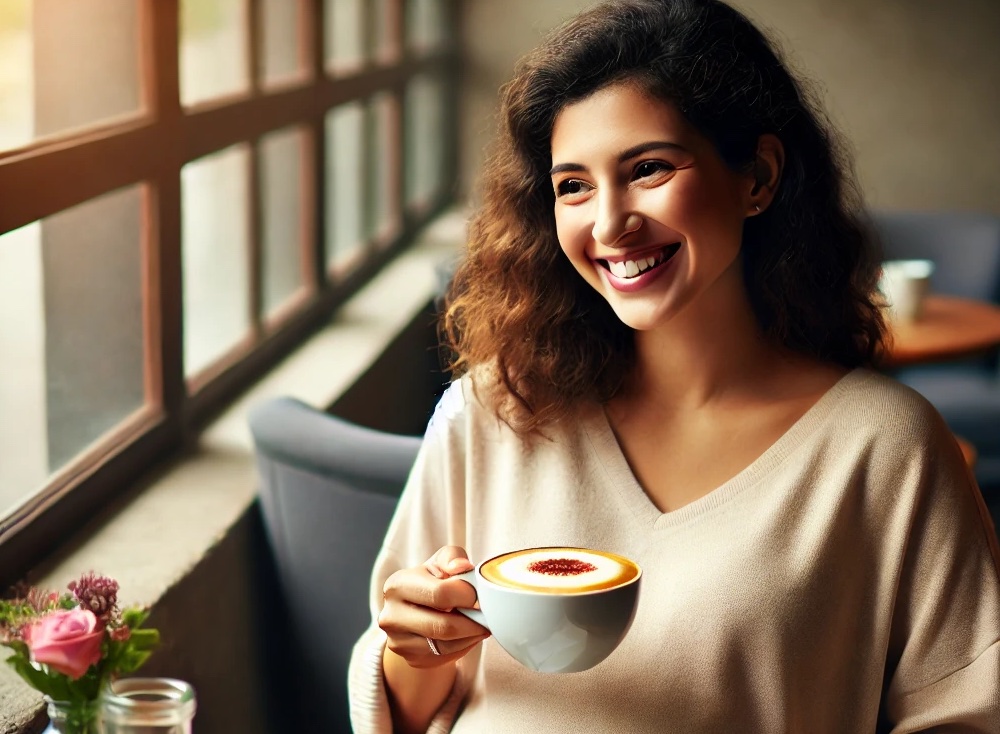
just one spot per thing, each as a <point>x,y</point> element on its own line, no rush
<point>540,338</point>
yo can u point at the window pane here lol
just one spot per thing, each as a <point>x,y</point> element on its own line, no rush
<point>65,65</point>
<point>345,176</point>
<point>383,155</point>
<point>214,247</point>
<point>425,23</point>
<point>425,132</point>
<point>344,36</point>
<point>213,52</point>
<point>281,52</point>
<point>386,31</point>
<point>71,335</point>
<point>281,156</point>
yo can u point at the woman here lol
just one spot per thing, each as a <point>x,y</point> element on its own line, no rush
<point>664,322</point>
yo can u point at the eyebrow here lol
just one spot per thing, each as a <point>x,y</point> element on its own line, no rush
<point>626,154</point>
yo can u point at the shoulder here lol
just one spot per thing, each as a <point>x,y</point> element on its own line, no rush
<point>868,399</point>
<point>895,433</point>
<point>467,413</point>
<point>462,411</point>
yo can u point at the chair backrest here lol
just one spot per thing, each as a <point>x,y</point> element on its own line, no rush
<point>965,248</point>
<point>328,489</point>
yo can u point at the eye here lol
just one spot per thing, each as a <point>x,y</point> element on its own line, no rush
<point>646,169</point>
<point>571,187</point>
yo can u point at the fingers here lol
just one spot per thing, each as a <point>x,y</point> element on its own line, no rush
<point>418,586</point>
<point>448,561</point>
<point>419,603</point>
<point>408,626</point>
<point>418,654</point>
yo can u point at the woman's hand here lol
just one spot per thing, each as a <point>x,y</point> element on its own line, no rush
<point>419,604</point>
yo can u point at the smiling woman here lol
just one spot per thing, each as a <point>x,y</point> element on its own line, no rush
<point>654,226</point>
<point>664,324</point>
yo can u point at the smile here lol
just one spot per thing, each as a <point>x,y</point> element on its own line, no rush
<point>633,268</point>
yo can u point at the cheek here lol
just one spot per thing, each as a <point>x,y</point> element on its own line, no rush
<point>568,233</point>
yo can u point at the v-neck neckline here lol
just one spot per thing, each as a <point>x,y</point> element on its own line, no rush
<point>609,451</point>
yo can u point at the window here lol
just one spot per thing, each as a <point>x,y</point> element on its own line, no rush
<point>190,189</point>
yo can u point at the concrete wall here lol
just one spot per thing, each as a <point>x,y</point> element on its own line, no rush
<point>914,85</point>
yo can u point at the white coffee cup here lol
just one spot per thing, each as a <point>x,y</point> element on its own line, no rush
<point>556,622</point>
<point>905,283</point>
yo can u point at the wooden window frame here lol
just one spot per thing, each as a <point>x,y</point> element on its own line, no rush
<point>149,149</point>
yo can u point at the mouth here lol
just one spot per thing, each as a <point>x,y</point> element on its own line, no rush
<point>633,268</point>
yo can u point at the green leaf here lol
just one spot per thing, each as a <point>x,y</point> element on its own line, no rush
<point>32,675</point>
<point>134,616</point>
<point>86,687</point>
<point>43,680</point>
<point>19,647</point>
<point>144,639</point>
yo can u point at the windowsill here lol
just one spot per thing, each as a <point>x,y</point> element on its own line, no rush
<point>161,533</point>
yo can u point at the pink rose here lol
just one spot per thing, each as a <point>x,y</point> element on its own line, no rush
<point>67,640</point>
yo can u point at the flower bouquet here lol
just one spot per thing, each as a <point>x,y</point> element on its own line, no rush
<point>69,646</point>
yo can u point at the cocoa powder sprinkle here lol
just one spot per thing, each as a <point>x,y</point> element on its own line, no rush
<point>561,567</point>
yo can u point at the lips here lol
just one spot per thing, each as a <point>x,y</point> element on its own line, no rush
<point>628,268</point>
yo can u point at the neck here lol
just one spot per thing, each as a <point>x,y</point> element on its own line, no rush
<point>711,350</point>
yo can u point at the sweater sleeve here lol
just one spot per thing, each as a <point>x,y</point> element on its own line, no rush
<point>943,669</point>
<point>428,516</point>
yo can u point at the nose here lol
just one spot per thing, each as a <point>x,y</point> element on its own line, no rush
<point>613,221</point>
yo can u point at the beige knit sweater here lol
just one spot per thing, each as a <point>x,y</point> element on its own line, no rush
<point>846,581</point>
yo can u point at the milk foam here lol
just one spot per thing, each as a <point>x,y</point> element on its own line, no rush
<point>516,570</point>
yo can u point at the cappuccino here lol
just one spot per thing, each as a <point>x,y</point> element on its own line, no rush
<point>559,570</point>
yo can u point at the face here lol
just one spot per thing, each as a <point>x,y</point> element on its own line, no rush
<point>646,210</point>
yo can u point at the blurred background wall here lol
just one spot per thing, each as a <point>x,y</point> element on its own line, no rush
<point>913,84</point>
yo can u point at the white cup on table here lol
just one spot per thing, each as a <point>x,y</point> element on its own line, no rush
<point>905,283</point>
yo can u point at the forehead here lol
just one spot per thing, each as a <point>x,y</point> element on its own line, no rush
<point>617,117</point>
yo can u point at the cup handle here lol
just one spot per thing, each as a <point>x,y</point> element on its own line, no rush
<point>475,615</point>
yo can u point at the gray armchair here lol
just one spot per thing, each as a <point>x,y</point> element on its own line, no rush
<point>965,248</point>
<point>328,489</point>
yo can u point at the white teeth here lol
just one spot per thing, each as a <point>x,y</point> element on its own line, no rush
<point>631,268</point>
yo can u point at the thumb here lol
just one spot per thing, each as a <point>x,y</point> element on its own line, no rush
<point>459,565</point>
<point>449,560</point>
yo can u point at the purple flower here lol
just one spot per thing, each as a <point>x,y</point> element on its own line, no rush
<point>98,594</point>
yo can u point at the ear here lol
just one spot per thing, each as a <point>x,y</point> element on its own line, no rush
<point>768,164</point>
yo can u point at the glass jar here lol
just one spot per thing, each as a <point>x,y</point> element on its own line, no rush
<point>76,717</point>
<point>148,706</point>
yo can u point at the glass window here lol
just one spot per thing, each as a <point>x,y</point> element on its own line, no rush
<point>344,39</point>
<point>64,66</point>
<point>281,42</point>
<point>383,158</point>
<point>345,183</point>
<point>385,30</point>
<point>214,247</point>
<point>209,214</point>
<point>213,49</point>
<point>425,131</point>
<point>425,24</point>
<point>72,335</point>
<point>282,220</point>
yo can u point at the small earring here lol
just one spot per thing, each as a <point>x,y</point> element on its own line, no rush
<point>633,222</point>
<point>757,207</point>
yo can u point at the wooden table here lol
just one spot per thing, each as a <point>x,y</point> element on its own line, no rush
<point>949,328</point>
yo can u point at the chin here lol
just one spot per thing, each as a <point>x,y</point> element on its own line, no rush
<point>639,320</point>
